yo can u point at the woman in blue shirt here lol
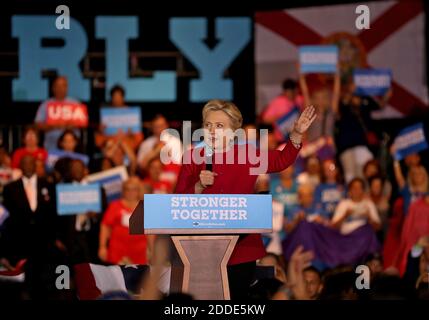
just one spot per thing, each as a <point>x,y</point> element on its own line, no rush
<point>330,192</point>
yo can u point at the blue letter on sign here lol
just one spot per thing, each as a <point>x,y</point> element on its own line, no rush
<point>117,31</point>
<point>188,35</point>
<point>33,58</point>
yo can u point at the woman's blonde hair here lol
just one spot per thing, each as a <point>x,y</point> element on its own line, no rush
<point>229,108</point>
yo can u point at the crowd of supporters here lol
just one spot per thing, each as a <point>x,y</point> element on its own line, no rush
<point>339,206</point>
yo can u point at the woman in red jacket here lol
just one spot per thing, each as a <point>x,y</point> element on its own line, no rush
<point>220,118</point>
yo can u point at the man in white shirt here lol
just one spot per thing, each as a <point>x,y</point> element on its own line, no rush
<point>151,147</point>
<point>30,230</point>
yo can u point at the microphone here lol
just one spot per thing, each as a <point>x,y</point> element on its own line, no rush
<point>209,158</point>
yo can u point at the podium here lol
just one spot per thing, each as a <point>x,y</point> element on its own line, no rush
<point>203,231</point>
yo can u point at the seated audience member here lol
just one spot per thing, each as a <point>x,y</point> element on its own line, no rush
<point>152,146</point>
<point>117,100</point>
<point>52,132</point>
<point>311,175</point>
<point>117,246</point>
<point>305,210</point>
<point>416,225</point>
<point>330,192</point>
<point>355,211</point>
<point>31,147</point>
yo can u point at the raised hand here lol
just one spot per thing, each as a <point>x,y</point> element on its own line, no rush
<point>305,120</point>
<point>299,260</point>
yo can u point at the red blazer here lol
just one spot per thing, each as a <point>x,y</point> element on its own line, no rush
<point>235,179</point>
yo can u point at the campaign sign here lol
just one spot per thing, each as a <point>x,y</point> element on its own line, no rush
<point>115,119</point>
<point>111,181</point>
<point>318,59</point>
<point>55,155</point>
<point>74,198</point>
<point>285,123</point>
<point>372,82</point>
<point>410,140</point>
<point>66,113</point>
<point>195,213</point>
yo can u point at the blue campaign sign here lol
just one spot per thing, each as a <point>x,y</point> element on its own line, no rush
<point>73,198</point>
<point>285,123</point>
<point>410,140</point>
<point>55,155</point>
<point>193,213</point>
<point>111,181</point>
<point>318,59</point>
<point>126,118</point>
<point>372,82</point>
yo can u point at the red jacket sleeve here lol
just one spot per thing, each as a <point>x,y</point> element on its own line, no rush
<point>278,160</point>
<point>188,175</point>
<point>187,179</point>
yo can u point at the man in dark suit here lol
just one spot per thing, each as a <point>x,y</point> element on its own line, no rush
<point>30,230</point>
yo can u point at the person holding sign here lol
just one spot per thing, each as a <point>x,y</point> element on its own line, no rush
<point>79,230</point>
<point>117,102</point>
<point>355,131</point>
<point>59,113</point>
<point>287,103</point>
<point>326,103</point>
<point>414,186</point>
<point>220,118</point>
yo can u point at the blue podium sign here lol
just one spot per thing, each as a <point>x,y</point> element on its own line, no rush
<point>207,213</point>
